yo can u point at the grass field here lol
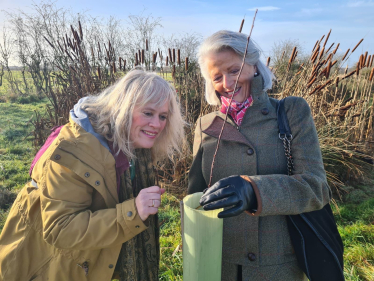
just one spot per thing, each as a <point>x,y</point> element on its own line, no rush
<point>16,151</point>
<point>355,218</point>
<point>356,226</point>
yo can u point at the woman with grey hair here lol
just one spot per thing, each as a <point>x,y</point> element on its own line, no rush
<point>90,211</point>
<point>250,178</point>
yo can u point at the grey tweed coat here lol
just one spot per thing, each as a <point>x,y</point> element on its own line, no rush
<point>259,243</point>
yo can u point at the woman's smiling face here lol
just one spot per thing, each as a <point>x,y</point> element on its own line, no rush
<point>223,68</point>
<point>147,124</point>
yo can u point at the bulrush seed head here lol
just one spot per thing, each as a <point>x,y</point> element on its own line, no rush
<point>368,61</point>
<point>80,30</point>
<point>336,49</point>
<point>327,38</point>
<point>170,56</point>
<point>241,26</point>
<point>315,45</point>
<point>364,60</point>
<point>323,36</point>
<point>358,44</point>
<point>371,74</point>
<point>330,47</point>
<point>346,53</point>
<point>321,54</point>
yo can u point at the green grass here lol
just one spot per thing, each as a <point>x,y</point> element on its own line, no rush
<point>356,226</point>
<point>171,266</point>
<point>6,92</point>
<point>16,150</point>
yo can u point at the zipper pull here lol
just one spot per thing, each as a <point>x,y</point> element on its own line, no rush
<point>85,267</point>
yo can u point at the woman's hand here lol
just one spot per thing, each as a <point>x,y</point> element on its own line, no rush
<point>233,192</point>
<point>148,201</point>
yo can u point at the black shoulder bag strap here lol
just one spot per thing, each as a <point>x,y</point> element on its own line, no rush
<point>314,235</point>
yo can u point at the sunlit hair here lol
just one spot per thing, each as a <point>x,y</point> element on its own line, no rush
<point>111,112</point>
<point>234,41</point>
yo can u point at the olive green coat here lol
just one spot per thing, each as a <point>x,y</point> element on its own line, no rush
<point>69,225</point>
<point>260,241</point>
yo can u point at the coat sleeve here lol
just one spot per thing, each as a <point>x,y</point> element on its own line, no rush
<point>68,222</point>
<point>307,189</point>
<point>196,181</point>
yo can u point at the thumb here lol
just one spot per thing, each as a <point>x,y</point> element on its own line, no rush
<point>162,191</point>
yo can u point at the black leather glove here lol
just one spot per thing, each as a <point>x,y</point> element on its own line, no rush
<point>233,192</point>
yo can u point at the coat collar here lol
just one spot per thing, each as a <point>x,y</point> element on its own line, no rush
<point>230,132</point>
<point>257,90</point>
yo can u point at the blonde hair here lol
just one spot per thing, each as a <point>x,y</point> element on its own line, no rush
<point>224,40</point>
<point>111,111</point>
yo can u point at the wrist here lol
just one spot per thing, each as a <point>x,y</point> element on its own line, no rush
<point>251,196</point>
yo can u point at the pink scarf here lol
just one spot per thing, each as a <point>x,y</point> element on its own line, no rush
<point>237,109</point>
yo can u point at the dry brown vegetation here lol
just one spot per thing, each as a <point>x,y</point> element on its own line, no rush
<point>341,104</point>
<point>77,64</point>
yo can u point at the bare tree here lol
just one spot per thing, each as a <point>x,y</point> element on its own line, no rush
<point>281,52</point>
<point>140,35</point>
<point>187,43</point>
<point>33,52</point>
<point>6,53</point>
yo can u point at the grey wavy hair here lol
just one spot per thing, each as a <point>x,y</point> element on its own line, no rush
<point>224,40</point>
<point>111,112</point>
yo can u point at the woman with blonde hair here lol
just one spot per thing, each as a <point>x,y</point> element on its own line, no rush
<point>90,211</point>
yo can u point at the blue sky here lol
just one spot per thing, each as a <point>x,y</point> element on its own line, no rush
<point>305,21</point>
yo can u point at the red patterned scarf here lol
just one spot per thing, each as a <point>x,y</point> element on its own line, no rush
<point>237,109</point>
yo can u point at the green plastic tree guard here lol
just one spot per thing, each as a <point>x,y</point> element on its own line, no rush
<point>202,241</point>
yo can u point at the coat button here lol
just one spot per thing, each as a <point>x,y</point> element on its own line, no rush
<point>129,213</point>
<point>265,111</point>
<point>87,174</point>
<point>97,182</point>
<point>250,151</point>
<point>251,256</point>
<point>57,157</point>
<point>111,266</point>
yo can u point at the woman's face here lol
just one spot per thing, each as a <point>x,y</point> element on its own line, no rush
<point>223,68</point>
<point>147,124</point>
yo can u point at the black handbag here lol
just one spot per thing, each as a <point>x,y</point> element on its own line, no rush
<point>314,235</point>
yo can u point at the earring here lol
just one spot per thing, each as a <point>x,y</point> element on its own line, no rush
<point>256,74</point>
